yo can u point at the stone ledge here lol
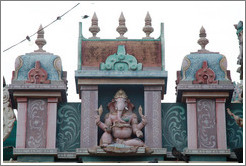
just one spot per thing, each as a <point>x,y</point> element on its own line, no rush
<point>140,151</point>
<point>66,155</point>
<point>32,151</point>
<point>214,152</point>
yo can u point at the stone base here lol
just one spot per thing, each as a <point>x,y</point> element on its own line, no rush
<point>29,158</point>
<point>207,154</point>
<point>35,155</point>
<point>120,159</point>
<point>101,156</point>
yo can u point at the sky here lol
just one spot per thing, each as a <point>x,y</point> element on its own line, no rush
<point>182,22</point>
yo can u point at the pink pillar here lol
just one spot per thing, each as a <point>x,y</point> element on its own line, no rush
<point>89,105</point>
<point>221,123</point>
<point>152,110</point>
<point>21,125</point>
<point>51,123</point>
<point>191,123</point>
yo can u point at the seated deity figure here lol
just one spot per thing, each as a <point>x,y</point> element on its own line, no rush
<point>120,124</point>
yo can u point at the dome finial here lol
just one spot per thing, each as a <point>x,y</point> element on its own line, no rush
<point>203,41</point>
<point>122,29</point>
<point>94,29</point>
<point>40,41</point>
<point>148,29</point>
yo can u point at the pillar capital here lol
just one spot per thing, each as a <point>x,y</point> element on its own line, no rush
<point>21,99</point>
<point>190,100</point>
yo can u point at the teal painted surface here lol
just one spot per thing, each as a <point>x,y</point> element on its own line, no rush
<point>106,93</point>
<point>35,158</point>
<point>121,61</point>
<point>208,158</point>
<point>196,63</point>
<point>119,74</point>
<point>46,61</point>
<point>9,142</point>
<point>162,46</point>
<point>120,158</point>
<point>233,131</point>
<point>174,126</point>
<point>68,127</point>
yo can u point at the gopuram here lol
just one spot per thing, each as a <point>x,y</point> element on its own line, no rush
<point>121,118</point>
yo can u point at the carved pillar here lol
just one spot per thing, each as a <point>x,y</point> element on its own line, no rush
<point>152,108</point>
<point>221,123</point>
<point>191,123</point>
<point>89,105</point>
<point>21,125</point>
<point>51,123</point>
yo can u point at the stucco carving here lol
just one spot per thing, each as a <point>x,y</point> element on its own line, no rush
<point>205,75</point>
<point>8,115</point>
<point>37,75</point>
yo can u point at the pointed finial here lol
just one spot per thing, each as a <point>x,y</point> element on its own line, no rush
<point>148,29</point>
<point>40,41</point>
<point>203,41</point>
<point>94,29</point>
<point>121,28</point>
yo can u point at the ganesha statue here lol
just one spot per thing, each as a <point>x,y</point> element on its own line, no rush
<point>120,125</point>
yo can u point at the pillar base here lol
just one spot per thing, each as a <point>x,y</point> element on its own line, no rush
<point>102,156</point>
<point>35,155</point>
<point>207,154</point>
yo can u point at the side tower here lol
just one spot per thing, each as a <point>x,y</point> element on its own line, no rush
<point>137,66</point>
<point>204,84</point>
<point>38,84</point>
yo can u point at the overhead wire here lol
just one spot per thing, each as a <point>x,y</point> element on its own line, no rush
<point>28,37</point>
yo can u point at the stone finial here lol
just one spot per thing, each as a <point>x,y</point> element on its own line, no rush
<point>203,41</point>
<point>40,41</point>
<point>122,29</point>
<point>148,29</point>
<point>94,29</point>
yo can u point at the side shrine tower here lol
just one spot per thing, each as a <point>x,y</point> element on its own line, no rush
<point>110,67</point>
<point>204,84</point>
<point>38,84</point>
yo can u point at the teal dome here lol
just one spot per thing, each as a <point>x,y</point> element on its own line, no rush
<point>194,61</point>
<point>49,62</point>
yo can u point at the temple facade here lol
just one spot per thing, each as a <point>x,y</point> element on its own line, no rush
<point>121,118</point>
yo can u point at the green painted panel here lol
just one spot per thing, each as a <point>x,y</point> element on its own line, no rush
<point>174,126</point>
<point>68,127</point>
<point>233,131</point>
<point>9,143</point>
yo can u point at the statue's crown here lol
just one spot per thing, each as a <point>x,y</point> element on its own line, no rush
<point>120,94</point>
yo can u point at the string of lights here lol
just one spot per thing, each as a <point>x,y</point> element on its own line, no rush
<point>29,37</point>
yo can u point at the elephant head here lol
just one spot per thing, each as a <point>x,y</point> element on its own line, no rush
<point>121,103</point>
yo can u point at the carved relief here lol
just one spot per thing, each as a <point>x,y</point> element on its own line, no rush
<point>36,123</point>
<point>38,75</point>
<point>18,65</point>
<point>223,66</point>
<point>205,75</point>
<point>120,124</point>
<point>58,66</point>
<point>121,61</point>
<point>185,66</point>
<point>206,124</point>
<point>8,115</point>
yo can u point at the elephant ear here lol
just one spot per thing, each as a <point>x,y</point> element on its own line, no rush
<point>111,104</point>
<point>130,104</point>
